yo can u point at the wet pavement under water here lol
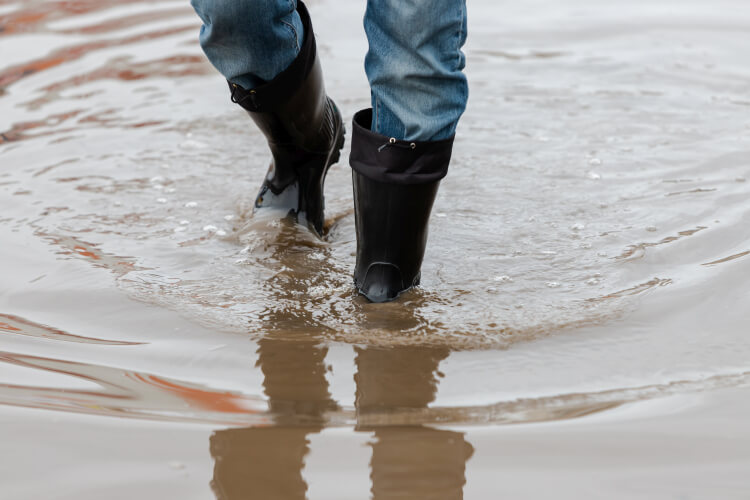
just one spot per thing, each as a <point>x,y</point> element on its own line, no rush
<point>585,281</point>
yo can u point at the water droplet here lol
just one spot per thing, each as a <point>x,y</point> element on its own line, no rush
<point>210,228</point>
<point>191,204</point>
<point>440,214</point>
<point>585,245</point>
<point>221,232</point>
<point>184,222</point>
<point>179,229</point>
<point>157,179</point>
<point>651,229</point>
<point>229,217</point>
<point>592,281</point>
<point>170,190</point>
<point>595,162</point>
<point>578,226</point>
<point>553,284</point>
<point>593,176</point>
<point>161,200</point>
<point>503,279</point>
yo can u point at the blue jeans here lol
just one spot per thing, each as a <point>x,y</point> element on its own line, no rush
<point>414,63</point>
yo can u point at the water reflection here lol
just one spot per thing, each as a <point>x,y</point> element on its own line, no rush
<point>407,461</point>
<point>263,463</point>
<point>267,462</point>
<point>418,463</point>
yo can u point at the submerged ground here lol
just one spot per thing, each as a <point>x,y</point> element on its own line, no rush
<point>586,279</point>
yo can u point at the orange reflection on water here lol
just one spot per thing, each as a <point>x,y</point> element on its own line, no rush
<point>222,402</point>
<point>127,393</point>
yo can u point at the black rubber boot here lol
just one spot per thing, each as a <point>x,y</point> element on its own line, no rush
<point>304,130</point>
<point>395,184</point>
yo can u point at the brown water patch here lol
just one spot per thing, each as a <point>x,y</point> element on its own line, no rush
<point>637,251</point>
<point>636,290</point>
<point>727,259</point>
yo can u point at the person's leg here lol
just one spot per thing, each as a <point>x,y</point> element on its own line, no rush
<point>250,41</point>
<point>415,65</point>
<point>402,147</point>
<point>266,49</point>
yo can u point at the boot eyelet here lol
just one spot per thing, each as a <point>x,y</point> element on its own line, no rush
<point>392,140</point>
<point>413,145</point>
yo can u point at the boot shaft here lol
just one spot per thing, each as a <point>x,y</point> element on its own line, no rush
<point>395,184</point>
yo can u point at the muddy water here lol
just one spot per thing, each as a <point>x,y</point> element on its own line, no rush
<point>585,279</point>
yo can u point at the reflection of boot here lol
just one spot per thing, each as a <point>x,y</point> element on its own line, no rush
<point>408,462</point>
<point>395,184</point>
<point>263,463</point>
<point>392,379</point>
<point>304,131</point>
<point>295,380</point>
<point>418,463</point>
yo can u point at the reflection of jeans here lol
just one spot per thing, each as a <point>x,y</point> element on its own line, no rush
<point>414,63</point>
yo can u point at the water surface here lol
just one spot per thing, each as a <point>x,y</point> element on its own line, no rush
<point>585,279</point>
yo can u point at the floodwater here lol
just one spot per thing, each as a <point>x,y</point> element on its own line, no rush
<point>581,331</point>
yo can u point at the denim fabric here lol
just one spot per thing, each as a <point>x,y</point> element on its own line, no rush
<point>414,63</point>
<point>250,41</point>
<point>414,67</point>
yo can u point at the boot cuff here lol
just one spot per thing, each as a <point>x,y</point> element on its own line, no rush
<point>392,161</point>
